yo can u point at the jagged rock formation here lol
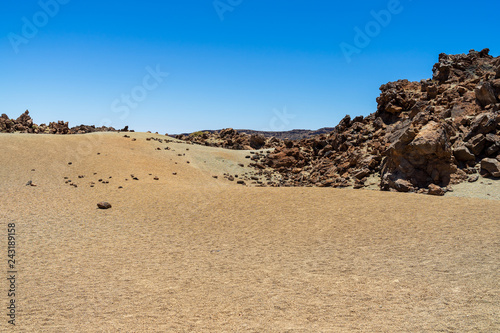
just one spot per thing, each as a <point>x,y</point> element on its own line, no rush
<point>24,124</point>
<point>230,139</point>
<point>434,132</point>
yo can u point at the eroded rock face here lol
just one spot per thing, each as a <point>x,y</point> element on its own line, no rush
<point>421,157</point>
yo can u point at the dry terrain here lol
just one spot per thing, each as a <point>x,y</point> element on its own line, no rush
<point>192,253</point>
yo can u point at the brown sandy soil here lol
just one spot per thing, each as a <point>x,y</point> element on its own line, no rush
<point>190,253</point>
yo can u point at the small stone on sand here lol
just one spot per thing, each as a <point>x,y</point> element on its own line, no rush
<point>104,205</point>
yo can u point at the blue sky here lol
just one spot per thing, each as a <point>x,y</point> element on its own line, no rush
<point>265,65</point>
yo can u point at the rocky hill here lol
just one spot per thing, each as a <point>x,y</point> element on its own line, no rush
<point>424,136</point>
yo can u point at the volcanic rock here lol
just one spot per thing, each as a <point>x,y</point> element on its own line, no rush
<point>463,154</point>
<point>104,205</point>
<point>491,166</point>
<point>435,190</point>
<point>485,94</point>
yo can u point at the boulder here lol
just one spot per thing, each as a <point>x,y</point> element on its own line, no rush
<point>257,141</point>
<point>483,123</point>
<point>463,154</point>
<point>491,166</point>
<point>485,94</point>
<point>493,149</point>
<point>476,144</point>
<point>435,190</point>
<point>421,159</point>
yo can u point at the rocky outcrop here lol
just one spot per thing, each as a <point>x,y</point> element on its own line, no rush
<point>230,139</point>
<point>24,124</point>
<point>420,156</point>
<point>423,137</point>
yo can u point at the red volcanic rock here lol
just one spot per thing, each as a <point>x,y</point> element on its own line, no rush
<point>230,139</point>
<point>25,124</point>
<point>491,166</point>
<point>435,190</point>
<point>423,133</point>
<point>104,205</point>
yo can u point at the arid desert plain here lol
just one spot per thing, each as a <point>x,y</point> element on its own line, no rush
<point>187,252</point>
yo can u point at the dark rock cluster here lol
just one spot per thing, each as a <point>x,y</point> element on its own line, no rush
<point>24,124</point>
<point>231,139</point>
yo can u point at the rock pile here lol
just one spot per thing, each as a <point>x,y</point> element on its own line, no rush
<point>434,132</point>
<point>24,124</point>
<point>231,139</point>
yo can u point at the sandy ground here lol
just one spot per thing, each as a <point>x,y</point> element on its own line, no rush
<point>191,253</point>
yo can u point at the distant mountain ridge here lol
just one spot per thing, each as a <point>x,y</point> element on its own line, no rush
<point>295,134</point>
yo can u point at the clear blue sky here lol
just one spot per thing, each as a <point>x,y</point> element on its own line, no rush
<point>274,65</point>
